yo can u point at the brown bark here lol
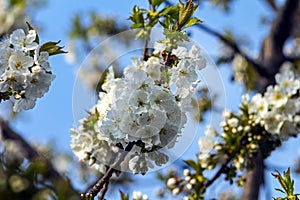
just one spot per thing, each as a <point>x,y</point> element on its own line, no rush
<point>255,178</point>
<point>272,59</point>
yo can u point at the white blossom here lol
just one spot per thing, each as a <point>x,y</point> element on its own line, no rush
<point>180,52</point>
<point>20,62</point>
<point>38,84</point>
<point>40,59</point>
<point>276,96</point>
<point>153,68</point>
<point>12,79</point>
<point>259,105</point>
<point>159,47</point>
<point>23,104</point>
<point>5,54</point>
<point>233,122</point>
<point>273,122</point>
<point>288,81</point>
<point>24,42</point>
<point>186,172</point>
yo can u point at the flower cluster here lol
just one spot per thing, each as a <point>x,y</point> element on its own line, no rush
<point>278,111</point>
<point>182,185</point>
<point>261,124</point>
<point>147,107</point>
<point>206,145</point>
<point>25,72</point>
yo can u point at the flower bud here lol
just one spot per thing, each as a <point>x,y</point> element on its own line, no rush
<point>193,181</point>
<point>186,172</point>
<point>188,186</point>
<point>187,178</point>
<point>172,182</point>
<point>176,191</point>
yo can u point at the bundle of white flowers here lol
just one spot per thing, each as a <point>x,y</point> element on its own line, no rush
<point>270,118</point>
<point>25,72</point>
<point>147,108</point>
<point>278,110</point>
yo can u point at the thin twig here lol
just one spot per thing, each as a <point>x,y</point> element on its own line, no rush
<point>99,186</point>
<point>218,174</point>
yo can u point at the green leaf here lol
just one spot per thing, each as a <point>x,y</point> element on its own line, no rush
<point>287,183</point>
<point>191,163</point>
<point>192,22</point>
<point>137,25</point>
<point>90,121</point>
<point>185,12</point>
<point>280,190</point>
<point>123,196</point>
<point>157,2</point>
<point>160,176</point>
<point>52,48</point>
<point>17,3</point>
<point>172,11</point>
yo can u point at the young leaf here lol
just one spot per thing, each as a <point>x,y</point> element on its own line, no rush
<point>185,12</point>
<point>156,2</point>
<point>123,196</point>
<point>52,48</point>
<point>192,164</point>
<point>192,22</point>
<point>170,11</point>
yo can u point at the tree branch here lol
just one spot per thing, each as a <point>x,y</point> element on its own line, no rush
<point>232,44</point>
<point>102,184</point>
<point>272,49</point>
<point>272,5</point>
<point>218,174</point>
<point>282,26</point>
<point>33,155</point>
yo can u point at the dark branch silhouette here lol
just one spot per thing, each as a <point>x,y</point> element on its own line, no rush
<point>33,155</point>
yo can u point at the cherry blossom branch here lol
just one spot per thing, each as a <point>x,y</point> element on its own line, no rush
<point>218,174</point>
<point>32,154</point>
<point>102,184</point>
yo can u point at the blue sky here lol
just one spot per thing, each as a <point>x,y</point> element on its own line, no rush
<point>52,117</point>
